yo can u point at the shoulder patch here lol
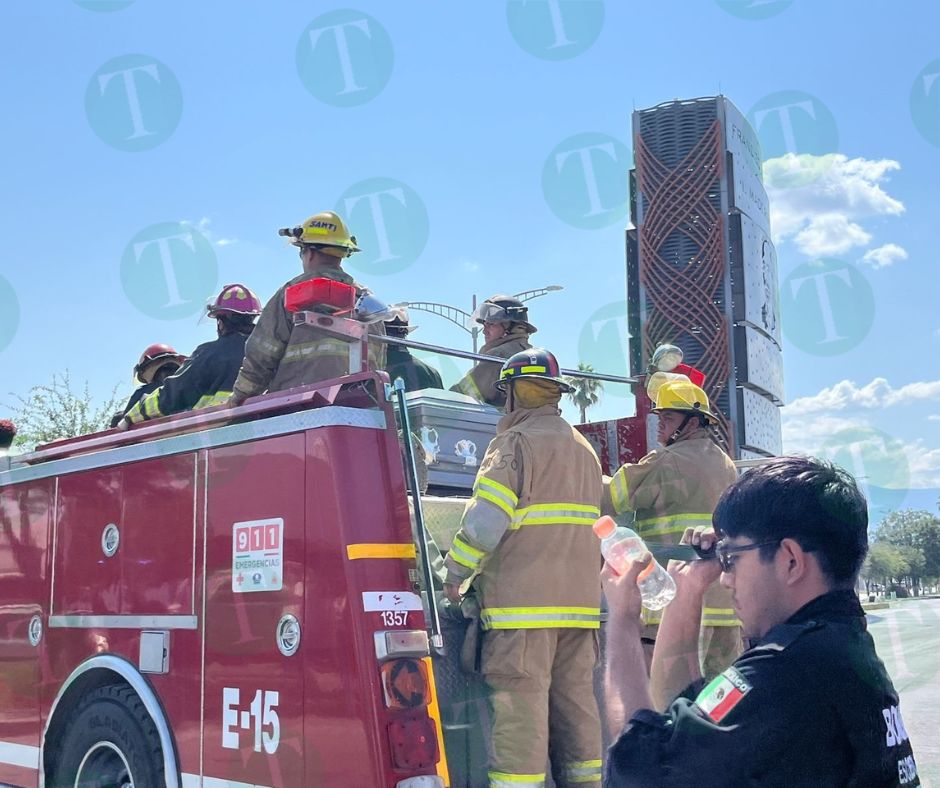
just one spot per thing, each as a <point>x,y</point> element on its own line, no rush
<point>722,694</point>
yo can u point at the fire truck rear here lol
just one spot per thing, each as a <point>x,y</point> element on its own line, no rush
<point>229,597</point>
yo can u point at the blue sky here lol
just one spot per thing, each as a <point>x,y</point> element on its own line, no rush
<point>252,116</point>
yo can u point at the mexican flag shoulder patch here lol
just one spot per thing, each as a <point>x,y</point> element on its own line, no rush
<point>722,694</point>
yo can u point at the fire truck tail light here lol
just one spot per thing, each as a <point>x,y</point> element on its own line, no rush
<point>405,683</point>
<point>401,643</point>
<point>413,743</point>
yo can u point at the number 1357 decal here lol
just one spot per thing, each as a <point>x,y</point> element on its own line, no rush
<point>260,717</point>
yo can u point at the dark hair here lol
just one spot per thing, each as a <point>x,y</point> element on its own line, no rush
<point>235,323</point>
<point>814,502</point>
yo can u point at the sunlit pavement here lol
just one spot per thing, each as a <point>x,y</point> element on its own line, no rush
<point>907,636</point>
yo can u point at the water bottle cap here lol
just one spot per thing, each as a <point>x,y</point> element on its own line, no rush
<point>604,526</point>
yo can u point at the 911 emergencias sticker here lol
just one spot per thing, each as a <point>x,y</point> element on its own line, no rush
<point>258,555</point>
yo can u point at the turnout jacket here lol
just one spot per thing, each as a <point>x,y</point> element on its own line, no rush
<point>416,374</point>
<point>673,488</point>
<point>480,381</point>
<point>139,393</point>
<point>280,355</point>
<point>809,706</point>
<point>527,527</point>
<point>204,380</point>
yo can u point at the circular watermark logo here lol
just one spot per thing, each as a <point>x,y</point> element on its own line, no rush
<point>798,128</point>
<point>555,29</point>
<point>754,9</point>
<point>9,313</point>
<point>134,103</point>
<point>878,462</point>
<point>603,344</point>
<point>445,366</point>
<point>104,6</point>
<point>585,180</point>
<point>345,58</point>
<point>925,102</point>
<point>169,270</point>
<point>390,223</point>
<point>827,307</point>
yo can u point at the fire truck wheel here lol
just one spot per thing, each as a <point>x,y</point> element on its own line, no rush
<point>110,741</point>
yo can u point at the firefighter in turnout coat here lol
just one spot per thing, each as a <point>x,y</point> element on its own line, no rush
<point>526,536</point>
<point>207,376</point>
<point>507,329</point>
<point>676,487</point>
<point>280,355</point>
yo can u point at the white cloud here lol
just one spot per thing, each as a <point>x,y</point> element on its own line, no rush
<point>879,393</point>
<point>822,216</point>
<point>471,266</point>
<point>934,417</point>
<point>204,226</point>
<point>884,256</point>
<point>830,234</point>
<point>835,421</point>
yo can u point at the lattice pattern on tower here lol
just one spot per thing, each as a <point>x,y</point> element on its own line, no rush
<point>682,262</point>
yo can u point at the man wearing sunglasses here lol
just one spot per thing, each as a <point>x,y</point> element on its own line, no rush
<point>809,703</point>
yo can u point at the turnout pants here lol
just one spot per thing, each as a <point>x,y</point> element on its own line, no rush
<point>542,702</point>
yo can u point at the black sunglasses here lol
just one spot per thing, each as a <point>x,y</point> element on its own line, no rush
<point>726,555</point>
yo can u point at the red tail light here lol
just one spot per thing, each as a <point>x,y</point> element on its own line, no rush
<point>413,742</point>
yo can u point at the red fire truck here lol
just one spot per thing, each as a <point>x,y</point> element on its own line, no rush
<point>236,597</point>
<point>223,598</point>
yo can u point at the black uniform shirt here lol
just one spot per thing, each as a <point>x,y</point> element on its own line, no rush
<point>416,374</point>
<point>809,705</point>
<point>206,378</point>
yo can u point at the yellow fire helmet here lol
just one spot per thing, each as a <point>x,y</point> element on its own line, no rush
<point>326,231</point>
<point>685,396</point>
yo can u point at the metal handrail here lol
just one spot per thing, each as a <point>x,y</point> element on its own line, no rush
<point>445,351</point>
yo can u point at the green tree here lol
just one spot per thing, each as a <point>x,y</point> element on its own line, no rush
<point>883,564</point>
<point>587,391</point>
<point>919,529</point>
<point>53,411</point>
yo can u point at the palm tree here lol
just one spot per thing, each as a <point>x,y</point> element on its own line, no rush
<point>587,391</point>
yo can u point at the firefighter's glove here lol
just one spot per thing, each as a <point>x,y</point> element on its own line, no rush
<point>123,425</point>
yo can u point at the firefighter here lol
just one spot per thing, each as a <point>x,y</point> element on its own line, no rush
<point>526,535</point>
<point>156,364</point>
<point>206,378</point>
<point>401,364</point>
<point>507,329</point>
<point>676,487</point>
<point>7,434</point>
<point>281,355</point>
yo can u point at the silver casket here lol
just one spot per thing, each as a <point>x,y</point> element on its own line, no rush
<point>454,430</point>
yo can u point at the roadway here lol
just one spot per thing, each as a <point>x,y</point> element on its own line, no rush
<point>907,636</point>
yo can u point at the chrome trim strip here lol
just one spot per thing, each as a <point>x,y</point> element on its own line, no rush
<point>23,755</point>
<point>123,622</point>
<point>137,683</point>
<point>331,416</point>
<point>195,781</point>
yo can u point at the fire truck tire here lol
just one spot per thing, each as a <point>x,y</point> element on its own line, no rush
<point>109,741</point>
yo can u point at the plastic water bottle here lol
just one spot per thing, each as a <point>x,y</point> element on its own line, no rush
<point>619,546</point>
